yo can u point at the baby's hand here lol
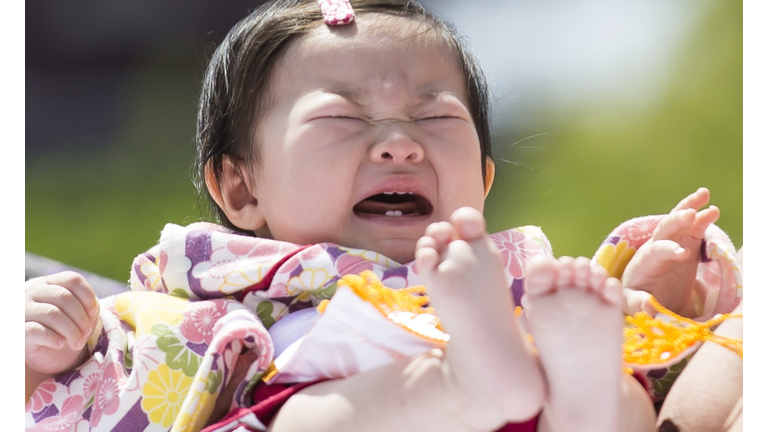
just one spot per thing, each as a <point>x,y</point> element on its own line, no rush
<point>60,312</point>
<point>665,266</point>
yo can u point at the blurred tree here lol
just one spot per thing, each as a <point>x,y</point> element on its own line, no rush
<point>607,163</point>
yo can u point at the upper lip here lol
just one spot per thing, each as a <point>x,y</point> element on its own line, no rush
<point>399,184</point>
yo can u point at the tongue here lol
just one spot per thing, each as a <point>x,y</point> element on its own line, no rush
<point>378,207</point>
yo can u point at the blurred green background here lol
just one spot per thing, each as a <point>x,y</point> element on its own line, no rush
<point>107,167</point>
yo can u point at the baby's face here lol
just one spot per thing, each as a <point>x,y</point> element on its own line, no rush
<point>369,140</point>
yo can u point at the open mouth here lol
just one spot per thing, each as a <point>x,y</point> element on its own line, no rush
<point>394,204</point>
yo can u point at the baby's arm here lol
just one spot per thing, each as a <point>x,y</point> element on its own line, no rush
<point>665,266</point>
<point>60,314</point>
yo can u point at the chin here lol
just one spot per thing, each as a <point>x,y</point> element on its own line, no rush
<point>403,254</point>
<point>402,250</point>
<point>403,258</point>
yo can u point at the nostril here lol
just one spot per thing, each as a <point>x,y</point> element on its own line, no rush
<point>397,151</point>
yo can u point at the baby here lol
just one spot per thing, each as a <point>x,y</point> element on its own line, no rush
<point>328,141</point>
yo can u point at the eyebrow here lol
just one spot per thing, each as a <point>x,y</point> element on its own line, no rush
<point>425,94</point>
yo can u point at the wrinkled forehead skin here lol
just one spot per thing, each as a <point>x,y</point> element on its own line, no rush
<point>374,32</point>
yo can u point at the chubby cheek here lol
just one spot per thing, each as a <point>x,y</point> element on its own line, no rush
<point>307,209</point>
<point>461,185</point>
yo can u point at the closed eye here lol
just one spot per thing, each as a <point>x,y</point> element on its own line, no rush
<point>344,117</point>
<point>440,117</point>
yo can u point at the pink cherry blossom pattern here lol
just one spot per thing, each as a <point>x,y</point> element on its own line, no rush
<point>239,263</point>
<point>107,398</point>
<point>42,397</point>
<point>69,414</point>
<point>200,319</point>
<point>637,231</point>
<point>516,249</point>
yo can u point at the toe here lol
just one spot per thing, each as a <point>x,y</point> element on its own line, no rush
<point>427,259</point>
<point>541,275</point>
<point>442,232</point>
<point>598,275</point>
<point>426,242</point>
<point>469,223</point>
<point>565,270</point>
<point>582,273</point>
<point>612,291</point>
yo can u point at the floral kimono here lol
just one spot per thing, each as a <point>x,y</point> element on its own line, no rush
<point>204,294</point>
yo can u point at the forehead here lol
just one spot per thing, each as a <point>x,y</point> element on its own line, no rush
<point>380,31</point>
<point>375,47</point>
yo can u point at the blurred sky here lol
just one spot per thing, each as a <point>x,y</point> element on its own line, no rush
<point>604,110</point>
<point>571,54</point>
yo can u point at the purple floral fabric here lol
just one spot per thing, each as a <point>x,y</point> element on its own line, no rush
<point>199,298</point>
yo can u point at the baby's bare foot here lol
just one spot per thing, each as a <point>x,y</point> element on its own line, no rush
<point>574,315</point>
<point>492,367</point>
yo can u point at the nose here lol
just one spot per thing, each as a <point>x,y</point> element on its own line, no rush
<point>398,147</point>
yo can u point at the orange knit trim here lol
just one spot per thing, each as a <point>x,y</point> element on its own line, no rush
<point>387,300</point>
<point>650,341</point>
<point>368,287</point>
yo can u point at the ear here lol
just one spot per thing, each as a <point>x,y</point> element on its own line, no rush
<point>235,195</point>
<point>490,174</point>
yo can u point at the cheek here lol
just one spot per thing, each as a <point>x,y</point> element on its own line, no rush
<point>461,180</point>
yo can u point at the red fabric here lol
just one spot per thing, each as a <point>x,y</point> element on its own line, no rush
<point>266,281</point>
<point>528,426</point>
<point>267,400</point>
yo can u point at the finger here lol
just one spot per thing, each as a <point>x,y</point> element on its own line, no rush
<point>66,302</point>
<point>636,301</point>
<point>695,201</point>
<point>668,250</point>
<point>52,317</point>
<point>703,220</point>
<point>37,335</point>
<point>77,284</point>
<point>676,225</point>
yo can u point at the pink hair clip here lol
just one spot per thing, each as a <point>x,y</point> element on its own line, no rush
<point>337,12</point>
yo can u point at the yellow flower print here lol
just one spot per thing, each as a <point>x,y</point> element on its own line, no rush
<point>614,258</point>
<point>194,416</point>
<point>308,280</point>
<point>164,393</point>
<point>142,310</point>
<point>150,270</point>
<point>371,256</point>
